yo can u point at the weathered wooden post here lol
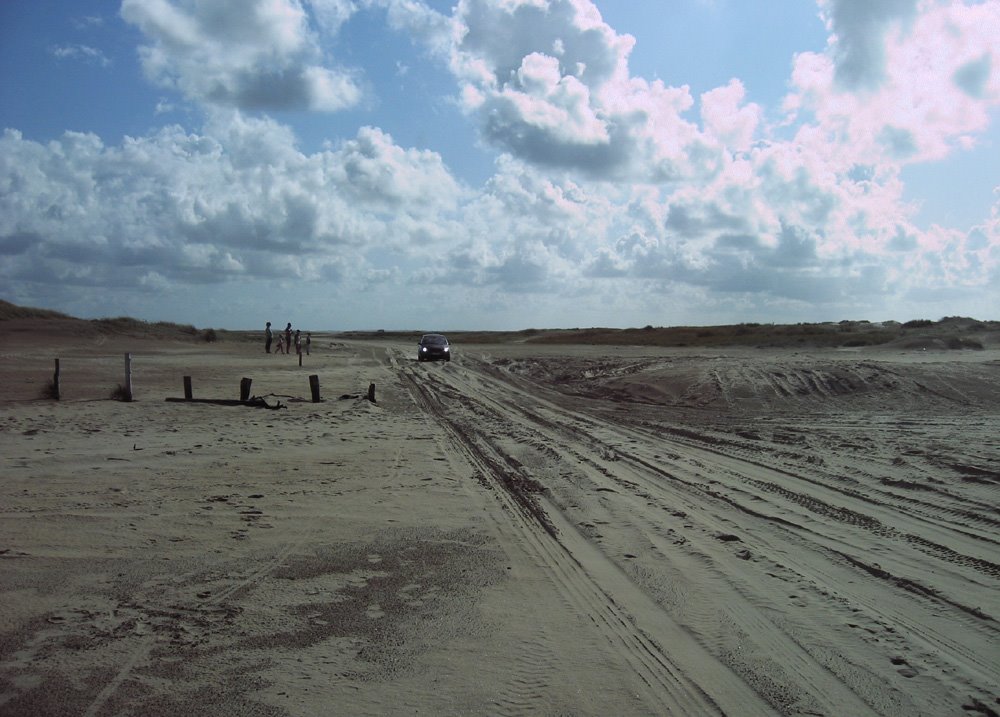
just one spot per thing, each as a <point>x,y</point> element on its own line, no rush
<point>314,387</point>
<point>371,392</point>
<point>128,377</point>
<point>55,382</point>
<point>245,389</point>
<point>300,358</point>
<point>188,393</point>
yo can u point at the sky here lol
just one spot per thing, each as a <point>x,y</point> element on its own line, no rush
<point>500,164</point>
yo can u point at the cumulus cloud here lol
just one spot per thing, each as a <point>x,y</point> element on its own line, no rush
<point>929,91</point>
<point>431,28</point>
<point>607,185</point>
<point>727,118</point>
<point>236,201</point>
<point>859,28</point>
<point>257,54</point>
<point>549,82</point>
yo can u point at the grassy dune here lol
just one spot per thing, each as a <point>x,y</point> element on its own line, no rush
<point>948,333</point>
<point>30,318</point>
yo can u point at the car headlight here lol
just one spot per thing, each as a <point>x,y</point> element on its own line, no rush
<point>445,348</point>
<point>423,348</point>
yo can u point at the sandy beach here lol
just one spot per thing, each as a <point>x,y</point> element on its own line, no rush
<point>524,530</point>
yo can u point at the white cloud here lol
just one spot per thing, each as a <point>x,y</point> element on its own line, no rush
<point>929,91</point>
<point>431,28</point>
<point>259,54</point>
<point>237,200</point>
<point>859,30</point>
<point>84,53</point>
<point>609,186</point>
<point>726,117</point>
<point>87,22</point>
<point>331,14</point>
<point>549,82</point>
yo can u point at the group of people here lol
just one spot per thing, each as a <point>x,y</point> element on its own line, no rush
<point>286,340</point>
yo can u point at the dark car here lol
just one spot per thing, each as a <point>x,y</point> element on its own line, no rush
<point>433,346</point>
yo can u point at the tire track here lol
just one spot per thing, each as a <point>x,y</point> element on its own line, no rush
<point>590,448</point>
<point>628,619</point>
<point>525,685</point>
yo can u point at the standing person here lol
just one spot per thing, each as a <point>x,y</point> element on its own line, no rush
<point>298,343</point>
<point>267,338</point>
<point>281,343</point>
<point>288,337</point>
<point>309,340</point>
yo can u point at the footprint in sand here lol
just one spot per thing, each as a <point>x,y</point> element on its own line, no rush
<point>374,611</point>
<point>906,670</point>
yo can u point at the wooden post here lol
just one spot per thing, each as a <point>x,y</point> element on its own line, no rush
<point>128,377</point>
<point>314,387</point>
<point>245,389</point>
<point>371,392</point>
<point>188,393</point>
<point>55,382</point>
<point>300,358</point>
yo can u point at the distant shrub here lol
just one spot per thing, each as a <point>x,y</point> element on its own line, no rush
<point>13,311</point>
<point>918,324</point>
<point>209,336</point>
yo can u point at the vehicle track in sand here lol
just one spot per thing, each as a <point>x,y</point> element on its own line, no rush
<point>814,623</point>
<point>677,675</point>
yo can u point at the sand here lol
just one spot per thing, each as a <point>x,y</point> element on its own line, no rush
<point>561,531</point>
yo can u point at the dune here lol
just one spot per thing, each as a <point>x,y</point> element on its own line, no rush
<point>536,527</point>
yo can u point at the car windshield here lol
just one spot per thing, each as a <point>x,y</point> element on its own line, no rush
<point>434,340</point>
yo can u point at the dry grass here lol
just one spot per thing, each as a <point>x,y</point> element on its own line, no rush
<point>13,311</point>
<point>117,326</point>
<point>950,332</point>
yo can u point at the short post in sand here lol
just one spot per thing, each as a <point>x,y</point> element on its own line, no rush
<point>128,377</point>
<point>188,392</point>
<point>371,392</point>
<point>245,388</point>
<point>55,382</point>
<point>314,387</point>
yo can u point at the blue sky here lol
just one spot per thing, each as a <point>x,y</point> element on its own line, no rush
<point>500,164</point>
